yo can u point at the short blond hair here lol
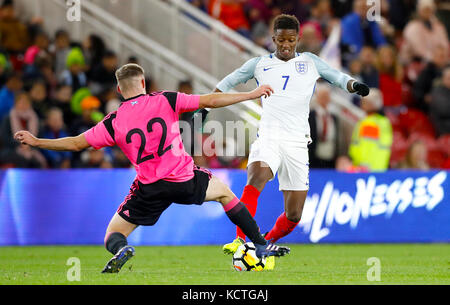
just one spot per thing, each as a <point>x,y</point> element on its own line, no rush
<point>128,75</point>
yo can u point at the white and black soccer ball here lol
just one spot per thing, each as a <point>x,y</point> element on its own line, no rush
<point>245,259</point>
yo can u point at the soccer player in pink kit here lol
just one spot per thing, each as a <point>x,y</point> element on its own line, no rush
<point>146,128</point>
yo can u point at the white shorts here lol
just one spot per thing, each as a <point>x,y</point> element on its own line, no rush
<point>289,159</point>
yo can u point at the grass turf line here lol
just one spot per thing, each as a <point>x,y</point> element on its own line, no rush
<point>184,265</point>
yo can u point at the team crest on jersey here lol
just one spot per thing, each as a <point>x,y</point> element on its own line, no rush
<point>301,67</point>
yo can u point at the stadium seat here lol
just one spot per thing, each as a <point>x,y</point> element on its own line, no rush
<point>399,148</point>
<point>444,144</point>
<point>435,158</point>
<point>446,164</point>
<point>407,95</point>
<point>395,121</point>
<point>415,121</point>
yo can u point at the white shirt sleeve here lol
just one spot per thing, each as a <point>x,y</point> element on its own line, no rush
<point>330,74</point>
<point>239,76</point>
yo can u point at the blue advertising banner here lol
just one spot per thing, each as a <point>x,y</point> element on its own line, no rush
<point>74,207</point>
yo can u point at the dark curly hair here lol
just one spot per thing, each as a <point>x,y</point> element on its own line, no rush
<point>286,22</point>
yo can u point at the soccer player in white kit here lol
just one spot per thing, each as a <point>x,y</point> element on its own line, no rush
<point>284,133</point>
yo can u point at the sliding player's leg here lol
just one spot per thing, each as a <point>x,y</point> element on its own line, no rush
<point>116,242</point>
<point>258,174</point>
<point>240,216</point>
<point>289,219</point>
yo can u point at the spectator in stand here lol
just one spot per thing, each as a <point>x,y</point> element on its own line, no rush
<point>390,76</point>
<point>54,129</point>
<point>369,72</point>
<point>423,34</point>
<point>21,117</point>
<point>39,98</point>
<point>89,106</point>
<point>120,160</point>
<point>39,48</point>
<point>440,104</point>
<point>61,100</point>
<point>341,8</point>
<point>357,31</point>
<point>95,158</point>
<point>74,75</point>
<point>400,11</point>
<point>262,35</point>
<point>93,48</point>
<point>323,150</point>
<point>4,69</point>
<point>110,99</point>
<point>424,84</point>
<point>372,136</point>
<point>355,69</point>
<point>310,39</point>
<point>385,26</point>
<point>231,13</point>
<point>320,18</point>
<point>416,157</point>
<point>103,76</point>
<point>344,164</point>
<point>35,25</point>
<point>60,49</point>
<point>44,71</point>
<point>259,17</point>
<point>259,11</point>
<point>191,133</point>
<point>13,33</point>
<point>301,9</point>
<point>7,94</point>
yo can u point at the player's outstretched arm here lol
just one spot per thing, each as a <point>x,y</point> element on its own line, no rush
<point>338,78</point>
<point>77,143</point>
<point>217,100</point>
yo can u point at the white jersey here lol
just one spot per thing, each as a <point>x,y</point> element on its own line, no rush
<point>286,111</point>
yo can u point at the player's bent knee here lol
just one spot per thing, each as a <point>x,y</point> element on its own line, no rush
<point>258,181</point>
<point>226,196</point>
<point>294,216</point>
<point>219,191</point>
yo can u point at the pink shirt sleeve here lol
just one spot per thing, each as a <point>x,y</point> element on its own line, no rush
<point>187,102</point>
<point>98,136</point>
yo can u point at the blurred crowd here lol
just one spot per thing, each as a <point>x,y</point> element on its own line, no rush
<point>54,86</point>
<point>400,48</point>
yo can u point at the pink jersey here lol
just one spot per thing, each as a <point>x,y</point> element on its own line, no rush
<point>146,128</point>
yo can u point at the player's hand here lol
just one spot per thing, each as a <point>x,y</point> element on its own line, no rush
<point>263,90</point>
<point>25,137</point>
<point>361,88</point>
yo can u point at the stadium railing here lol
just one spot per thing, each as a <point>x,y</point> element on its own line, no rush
<point>188,32</point>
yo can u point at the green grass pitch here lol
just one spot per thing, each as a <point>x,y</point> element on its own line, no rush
<point>191,265</point>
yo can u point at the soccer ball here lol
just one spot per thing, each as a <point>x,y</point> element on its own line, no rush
<point>245,259</point>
